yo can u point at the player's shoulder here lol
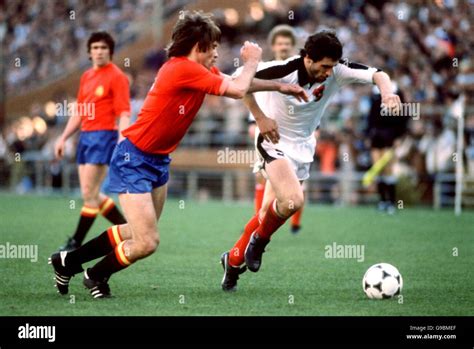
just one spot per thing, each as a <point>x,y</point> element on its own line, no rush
<point>287,62</point>
<point>179,66</point>
<point>87,73</point>
<point>182,62</point>
<point>279,69</point>
<point>115,70</point>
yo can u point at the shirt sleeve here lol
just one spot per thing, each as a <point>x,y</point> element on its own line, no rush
<point>197,77</point>
<point>80,97</point>
<point>274,70</point>
<point>350,72</point>
<point>121,94</point>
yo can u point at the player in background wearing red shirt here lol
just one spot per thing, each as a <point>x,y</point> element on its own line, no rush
<point>140,163</point>
<point>103,98</point>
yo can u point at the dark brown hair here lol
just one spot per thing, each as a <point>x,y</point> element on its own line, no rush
<point>101,36</point>
<point>322,44</point>
<point>191,28</point>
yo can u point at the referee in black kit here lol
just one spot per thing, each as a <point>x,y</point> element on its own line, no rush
<point>383,131</point>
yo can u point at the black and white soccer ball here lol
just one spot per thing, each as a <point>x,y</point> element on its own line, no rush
<point>382,281</point>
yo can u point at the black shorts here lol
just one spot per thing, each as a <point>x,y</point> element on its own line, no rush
<point>382,138</point>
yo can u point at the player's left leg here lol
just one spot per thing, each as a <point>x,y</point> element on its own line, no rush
<point>296,217</point>
<point>90,179</point>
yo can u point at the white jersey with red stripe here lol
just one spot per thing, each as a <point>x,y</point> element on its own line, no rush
<point>297,120</point>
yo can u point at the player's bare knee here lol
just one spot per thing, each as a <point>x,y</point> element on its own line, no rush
<point>125,231</point>
<point>90,196</point>
<point>150,245</point>
<point>290,204</point>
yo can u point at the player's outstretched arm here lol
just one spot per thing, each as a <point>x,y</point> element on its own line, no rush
<point>268,127</point>
<point>251,54</point>
<point>389,99</point>
<point>72,126</point>
<point>288,89</point>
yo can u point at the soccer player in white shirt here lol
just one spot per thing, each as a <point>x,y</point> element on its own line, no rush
<point>285,139</point>
<point>282,40</point>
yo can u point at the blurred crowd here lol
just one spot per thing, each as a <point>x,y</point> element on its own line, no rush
<point>425,46</point>
<point>45,39</point>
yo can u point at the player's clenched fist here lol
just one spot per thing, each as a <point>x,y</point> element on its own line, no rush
<point>59,149</point>
<point>268,129</point>
<point>392,103</point>
<point>250,51</point>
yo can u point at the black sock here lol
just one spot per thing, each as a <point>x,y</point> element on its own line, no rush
<point>391,193</point>
<point>106,267</point>
<point>381,189</point>
<point>85,222</point>
<point>95,248</point>
<point>114,216</point>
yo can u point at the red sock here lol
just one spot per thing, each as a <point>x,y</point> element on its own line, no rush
<point>296,218</point>
<point>236,254</point>
<point>270,223</point>
<point>259,191</point>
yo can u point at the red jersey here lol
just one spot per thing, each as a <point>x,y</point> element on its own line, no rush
<point>103,95</point>
<point>172,103</point>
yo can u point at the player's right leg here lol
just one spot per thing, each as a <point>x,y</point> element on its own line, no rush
<point>90,180</point>
<point>289,199</point>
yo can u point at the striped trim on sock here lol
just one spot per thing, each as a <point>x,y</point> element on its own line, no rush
<point>114,235</point>
<point>106,206</point>
<point>121,255</point>
<point>89,211</point>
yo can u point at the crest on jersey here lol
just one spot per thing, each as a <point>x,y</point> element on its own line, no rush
<point>318,93</point>
<point>99,91</point>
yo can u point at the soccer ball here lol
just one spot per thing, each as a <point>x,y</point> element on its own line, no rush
<point>382,281</point>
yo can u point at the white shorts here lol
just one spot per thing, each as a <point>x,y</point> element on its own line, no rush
<point>268,152</point>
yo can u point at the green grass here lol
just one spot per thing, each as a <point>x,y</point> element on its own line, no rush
<point>419,242</point>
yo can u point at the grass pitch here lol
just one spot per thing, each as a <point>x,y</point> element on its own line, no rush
<point>432,250</point>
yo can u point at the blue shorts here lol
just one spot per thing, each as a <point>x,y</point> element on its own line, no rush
<point>96,147</point>
<point>134,171</point>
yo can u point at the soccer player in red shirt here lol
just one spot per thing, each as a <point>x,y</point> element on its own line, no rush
<point>140,163</point>
<point>103,98</point>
